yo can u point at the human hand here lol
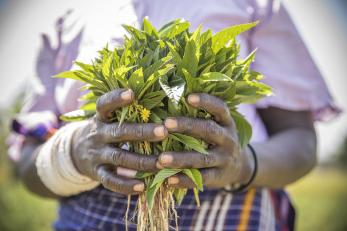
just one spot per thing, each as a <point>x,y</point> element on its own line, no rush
<point>95,152</point>
<point>225,163</point>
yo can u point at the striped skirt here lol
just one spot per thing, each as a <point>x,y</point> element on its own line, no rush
<point>258,209</point>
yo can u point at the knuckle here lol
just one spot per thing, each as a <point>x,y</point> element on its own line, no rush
<point>139,131</point>
<point>187,124</point>
<point>118,156</point>
<point>212,128</point>
<point>144,164</point>
<point>115,131</point>
<point>207,160</point>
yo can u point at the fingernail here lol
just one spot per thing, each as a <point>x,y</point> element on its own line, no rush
<point>126,172</point>
<point>139,187</point>
<point>193,99</point>
<point>158,165</point>
<point>170,123</point>
<point>127,95</point>
<point>159,131</point>
<point>173,180</point>
<point>166,159</point>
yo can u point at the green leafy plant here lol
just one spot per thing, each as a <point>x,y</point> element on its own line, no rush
<point>162,67</point>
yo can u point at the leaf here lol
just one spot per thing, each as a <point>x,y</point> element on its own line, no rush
<point>149,28</point>
<point>90,96</point>
<point>68,75</point>
<point>156,66</point>
<point>154,77</point>
<point>179,194</point>
<point>221,38</point>
<point>139,35</point>
<point>244,129</point>
<point>174,93</point>
<point>136,81</point>
<point>195,176</point>
<point>196,197</point>
<point>191,57</point>
<point>190,142</point>
<point>150,194</point>
<point>173,28</point>
<point>163,174</point>
<point>90,106</point>
<point>85,67</point>
<point>152,99</point>
<point>141,175</point>
<point>77,115</point>
<point>123,114</point>
<point>214,77</point>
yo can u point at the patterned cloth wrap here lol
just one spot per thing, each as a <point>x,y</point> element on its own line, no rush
<point>294,77</point>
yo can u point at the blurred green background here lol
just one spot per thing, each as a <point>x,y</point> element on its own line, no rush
<point>320,198</point>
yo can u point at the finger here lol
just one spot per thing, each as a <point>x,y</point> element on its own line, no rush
<point>210,179</point>
<point>126,159</point>
<point>180,180</point>
<point>111,101</point>
<point>127,186</point>
<point>131,132</point>
<point>207,130</point>
<point>213,105</point>
<point>182,160</point>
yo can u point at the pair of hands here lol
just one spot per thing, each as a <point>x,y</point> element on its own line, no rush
<point>96,155</point>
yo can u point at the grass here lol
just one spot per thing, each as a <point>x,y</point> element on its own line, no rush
<point>321,200</point>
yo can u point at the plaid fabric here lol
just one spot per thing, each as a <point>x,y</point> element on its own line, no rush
<point>257,209</point>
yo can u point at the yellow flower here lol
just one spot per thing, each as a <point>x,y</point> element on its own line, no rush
<point>145,113</point>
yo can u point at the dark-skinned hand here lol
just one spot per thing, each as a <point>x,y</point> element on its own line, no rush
<point>95,152</point>
<point>225,163</point>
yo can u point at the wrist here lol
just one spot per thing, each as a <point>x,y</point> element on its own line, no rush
<point>247,166</point>
<point>75,144</point>
<point>55,166</point>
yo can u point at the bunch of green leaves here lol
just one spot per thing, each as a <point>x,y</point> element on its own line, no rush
<point>162,67</point>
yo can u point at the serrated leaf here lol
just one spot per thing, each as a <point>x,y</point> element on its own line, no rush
<point>173,28</point>
<point>149,28</point>
<point>221,38</point>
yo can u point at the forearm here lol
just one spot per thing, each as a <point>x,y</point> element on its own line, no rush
<point>285,157</point>
<point>28,171</point>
